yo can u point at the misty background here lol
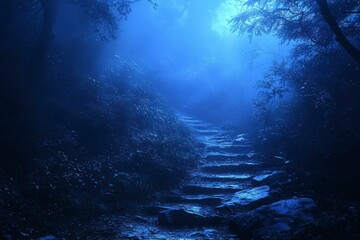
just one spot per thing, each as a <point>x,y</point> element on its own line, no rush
<point>193,57</point>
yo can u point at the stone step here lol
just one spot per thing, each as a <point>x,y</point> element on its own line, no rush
<point>195,208</point>
<point>241,138</point>
<point>219,137</point>
<point>212,131</point>
<point>229,147</point>
<point>210,200</point>
<point>223,154</point>
<point>247,198</point>
<point>224,177</point>
<point>216,137</point>
<point>244,167</point>
<point>212,188</point>
<point>228,162</point>
<point>214,141</point>
<point>189,122</point>
<point>199,125</point>
<point>227,155</point>
<point>219,145</point>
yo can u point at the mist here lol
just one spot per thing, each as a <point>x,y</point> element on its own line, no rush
<point>179,119</point>
<point>194,58</point>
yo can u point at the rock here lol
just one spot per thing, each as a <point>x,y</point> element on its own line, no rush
<point>280,219</point>
<point>178,218</point>
<point>247,197</point>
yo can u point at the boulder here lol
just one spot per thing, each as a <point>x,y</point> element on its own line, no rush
<point>278,220</point>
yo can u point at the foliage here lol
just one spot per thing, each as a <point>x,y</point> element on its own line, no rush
<point>107,13</point>
<point>315,123</point>
<point>84,141</point>
<point>299,21</point>
<point>95,154</point>
<point>271,89</point>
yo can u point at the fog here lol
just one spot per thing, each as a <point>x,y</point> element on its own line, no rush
<point>193,57</point>
<point>179,119</point>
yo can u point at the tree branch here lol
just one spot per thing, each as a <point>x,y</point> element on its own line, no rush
<point>353,51</point>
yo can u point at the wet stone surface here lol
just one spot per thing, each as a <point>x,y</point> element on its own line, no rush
<point>247,196</point>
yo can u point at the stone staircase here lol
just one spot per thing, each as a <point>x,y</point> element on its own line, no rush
<point>229,178</point>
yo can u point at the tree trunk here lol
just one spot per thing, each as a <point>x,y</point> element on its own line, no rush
<point>38,60</point>
<point>25,142</point>
<point>353,51</point>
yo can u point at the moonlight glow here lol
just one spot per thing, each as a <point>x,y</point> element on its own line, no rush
<point>223,15</point>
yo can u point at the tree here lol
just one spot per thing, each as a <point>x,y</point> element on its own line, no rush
<point>26,37</point>
<point>314,23</point>
<point>353,51</point>
<point>318,126</point>
<point>101,12</point>
<point>44,41</point>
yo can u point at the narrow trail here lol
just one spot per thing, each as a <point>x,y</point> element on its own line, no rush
<point>229,179</point>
